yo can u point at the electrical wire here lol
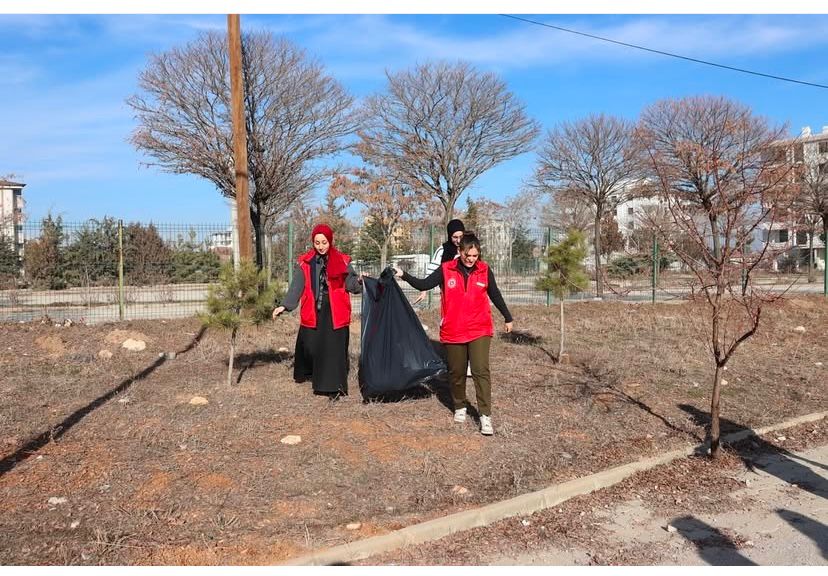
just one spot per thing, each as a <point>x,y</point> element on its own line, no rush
<point>663,53</point>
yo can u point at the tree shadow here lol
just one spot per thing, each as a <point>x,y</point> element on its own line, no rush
<point>53,433</point>
<point>258,357</point>
<point>756,452</point>
<point>816,531</point>
<point>521,337</point>
<point>714,547</point>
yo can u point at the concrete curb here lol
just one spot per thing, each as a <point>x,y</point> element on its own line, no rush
<point>520,505</point>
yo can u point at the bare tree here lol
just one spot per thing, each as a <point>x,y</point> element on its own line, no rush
<point>386,202</point>
<point>567,210</point>
<point>708,158</point>
<point>594,158</point>
<point>517,210</point>
<point>440,126</point>
<point>295,114</point>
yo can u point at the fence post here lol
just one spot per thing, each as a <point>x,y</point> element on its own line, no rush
<point>290,252</point>
<point>546,254</point>
<point>120,269</point>
<point>430,254</point>
<point>825,266</point>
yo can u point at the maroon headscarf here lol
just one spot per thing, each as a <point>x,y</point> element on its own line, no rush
<point>336,260</point>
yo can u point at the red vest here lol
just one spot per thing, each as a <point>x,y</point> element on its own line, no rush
<point>467,314</point>
<point>339,298</point>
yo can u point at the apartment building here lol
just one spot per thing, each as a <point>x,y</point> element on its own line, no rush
<point>11,213</point>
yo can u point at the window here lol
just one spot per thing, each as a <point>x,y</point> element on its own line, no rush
<point>823,169</point>
<point>783,235</point>
<point>823,147</point>
<point>801,238</point>
<point>630,210</point>
<point>799,153</point>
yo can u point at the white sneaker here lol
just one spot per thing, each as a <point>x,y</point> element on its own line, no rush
<point>468,370</point>
<point>460,415</point>
<point>486,425</point>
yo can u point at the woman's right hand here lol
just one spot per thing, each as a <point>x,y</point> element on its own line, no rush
<point>397,271</point>
<point>420,298</point>
<point>278,310</point>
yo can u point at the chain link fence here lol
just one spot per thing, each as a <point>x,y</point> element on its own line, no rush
<point>106,270</point>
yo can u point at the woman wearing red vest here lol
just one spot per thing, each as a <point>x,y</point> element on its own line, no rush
<point>320,286</point>
<point>466,328</point>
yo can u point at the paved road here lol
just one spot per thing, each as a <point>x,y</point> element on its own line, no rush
<point>786,525</point>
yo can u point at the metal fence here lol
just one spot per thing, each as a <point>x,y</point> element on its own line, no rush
<point>108,270</point>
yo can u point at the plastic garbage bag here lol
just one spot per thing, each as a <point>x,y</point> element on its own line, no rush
<point>395,353</point>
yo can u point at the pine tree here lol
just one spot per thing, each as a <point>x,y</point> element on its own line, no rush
<point>565,273</point>
<point>239,298</point>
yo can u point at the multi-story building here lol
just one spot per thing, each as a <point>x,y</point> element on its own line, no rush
<point>790,238</point>
<point>11,213</point>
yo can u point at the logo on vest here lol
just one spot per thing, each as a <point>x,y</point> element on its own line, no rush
<point>452,283</point>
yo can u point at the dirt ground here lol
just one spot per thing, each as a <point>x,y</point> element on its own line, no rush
<point>761,503</point>
<point>106,461</point>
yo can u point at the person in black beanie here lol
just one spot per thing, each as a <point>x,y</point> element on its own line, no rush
<point>446,252</point>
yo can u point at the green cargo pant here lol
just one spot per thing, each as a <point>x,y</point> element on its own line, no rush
<point>476,353</point>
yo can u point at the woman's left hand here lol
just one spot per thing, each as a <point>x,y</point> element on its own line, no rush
<point>508,327</point>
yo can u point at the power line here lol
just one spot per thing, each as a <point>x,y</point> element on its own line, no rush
<point>743,70</point>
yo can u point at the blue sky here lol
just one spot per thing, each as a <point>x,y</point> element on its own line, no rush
<point>65,78</point>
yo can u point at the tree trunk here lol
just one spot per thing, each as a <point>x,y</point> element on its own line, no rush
<point>449,210</point>
<point>383,255</point>
<point>561,346</point>
<point>232,358</point>
<point>717,242</point>
<point>596,244</point>
<point>714,413</point>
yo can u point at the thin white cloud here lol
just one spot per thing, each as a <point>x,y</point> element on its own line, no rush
<point>516,45</point>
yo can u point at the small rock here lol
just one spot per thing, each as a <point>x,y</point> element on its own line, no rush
<point>799,329</point>
<point>55,500</point>
<point>124,400</point>
<point>389,509</point>
<point>460,490</point>
<point>781,438</point>
<point>566,455</point>
<point>134,345</point>
<point>525,522</point>
<point>283,350</point>
<point>749,543</point>
<point>199,401</point>
<point>817,363</point>
<point>291,439</point>
<point>68,323</point>
<point>105,355</point>
<point>171,355</point>
<point>536,415</point>
<point>724,382</point>
<point>354,526</point>
<point>74,524</point>
<point>671,529</point>
<point>695,384</point>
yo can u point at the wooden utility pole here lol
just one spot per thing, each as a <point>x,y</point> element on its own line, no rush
<point>239,137</point>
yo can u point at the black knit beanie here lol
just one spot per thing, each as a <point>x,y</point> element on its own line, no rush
<point>454,226</point>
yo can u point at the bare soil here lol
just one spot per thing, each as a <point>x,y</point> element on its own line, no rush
<point>149,478</point>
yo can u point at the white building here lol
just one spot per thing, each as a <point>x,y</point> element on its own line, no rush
<point>789,239</point>
<point>11,213</point>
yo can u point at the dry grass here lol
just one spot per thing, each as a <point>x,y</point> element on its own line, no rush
<point>151,479</point>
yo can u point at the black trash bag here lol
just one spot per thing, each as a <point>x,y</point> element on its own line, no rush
<point>395,353</point>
